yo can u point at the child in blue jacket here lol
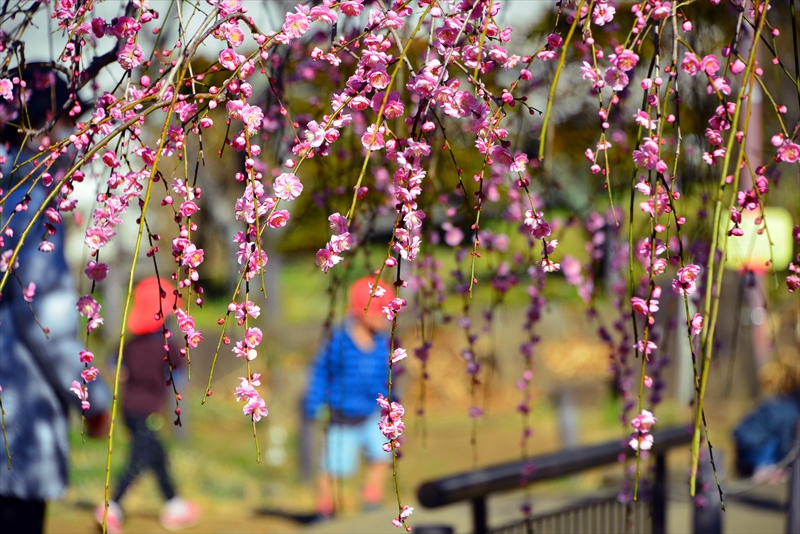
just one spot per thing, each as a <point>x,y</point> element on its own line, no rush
<point>348,373</point>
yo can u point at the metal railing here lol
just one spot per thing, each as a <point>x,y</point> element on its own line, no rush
<point>595,516</point>
<point>476,486</point>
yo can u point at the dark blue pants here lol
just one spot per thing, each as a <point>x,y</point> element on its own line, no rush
<point>146,453</point>
<point>21,517</point>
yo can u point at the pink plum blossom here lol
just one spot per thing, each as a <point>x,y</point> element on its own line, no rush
<point>616,78</point>
<point>245,391</point>
<point>686,283</point>
<point>697,324</point>
<point>253,337</point>
<point>229,59</point>
<point>690,64</point>
<point>29,292</point>
<point>398,354</point>
<point>642,118</point>
<point>643,421</point>
<point>588,72</point>
<point>232,33</point>
<point>390,424</point>
<point>194,338</point>
<point>257,408</point>
<point>252,117</point>
<point>87,306</point>
<point>242,350</point>
<point>547,55</point>
<point>625,60</point>
<point>405,513</point>
<point>338,223</point>
<point>94,323</point>
<point>640,346</point>
<point>315,134</point>
<point>287,187</point>
<point>710,64</point>
<point>130,56</point>
<point>789,152</point>
<point>644,442</point>
<point>549,266</point>
<point>6,88</point>
<point>90,374</point>
<point>342,242</point>
<point>82,393</point>
<point>96,237</point>
<point>96,271</point>
<point>296,24</point>
<point>373,140</point>
<point>278,219</point>
<point>192,256</point>
<point>520,163</point>
<point>646,156</point>
<point>640,306</point>
<point>603,13</point>
<point>326,258</point>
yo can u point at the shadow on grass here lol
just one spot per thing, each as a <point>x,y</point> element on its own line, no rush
<point>299,518</point>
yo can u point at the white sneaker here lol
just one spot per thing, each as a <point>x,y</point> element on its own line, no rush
<point>114,519</point>
<point>179,513</point>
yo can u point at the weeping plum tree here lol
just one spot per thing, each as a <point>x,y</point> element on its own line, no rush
<point>432,119</point>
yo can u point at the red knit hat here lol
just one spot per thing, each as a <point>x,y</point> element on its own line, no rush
<point>359,297</point>
<point>142,319</point>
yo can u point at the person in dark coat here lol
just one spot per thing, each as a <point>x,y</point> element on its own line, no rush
<point>146,369</point>
<point>40,367</point>
<point>766,435</point>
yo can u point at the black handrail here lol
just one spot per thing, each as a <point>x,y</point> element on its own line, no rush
<point>476,485</point>
<point>511,476</point>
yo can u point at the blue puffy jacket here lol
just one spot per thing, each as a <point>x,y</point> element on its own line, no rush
<point>36,371</point>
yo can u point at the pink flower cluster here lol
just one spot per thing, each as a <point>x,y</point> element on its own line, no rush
<point>186,325</point>
<point>793,280</point>
<point>255,406</point>
<point>641,439</point>
<point>90,308</point>
<point>247,348</point>
<point>82,392</point>
<point>686,283</point>
<point>341,241</point>
<point>405,513</point>
<point>647,307</point>
<point>244,310</point>
<point>391,423</point>
<point>393,308</point>
<point>109,215</point>
<point>6,87</point>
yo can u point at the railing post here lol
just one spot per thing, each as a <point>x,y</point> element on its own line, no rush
<point>660,496</point>
<point>708,518</point>
<point>793,514</point>
<point>479,519</point>
<point>433,529</point>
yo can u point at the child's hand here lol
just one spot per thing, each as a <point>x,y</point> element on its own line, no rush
<point>98,425</point>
